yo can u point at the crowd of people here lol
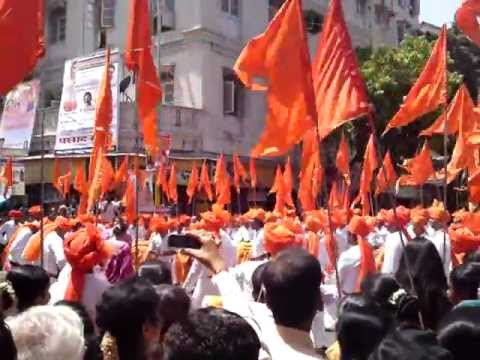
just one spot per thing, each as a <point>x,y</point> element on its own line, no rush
<point>403,284</point>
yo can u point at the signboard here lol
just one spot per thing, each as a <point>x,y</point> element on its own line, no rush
<point>18,188</point>
<point>76,118</point>
<point>18,116</point>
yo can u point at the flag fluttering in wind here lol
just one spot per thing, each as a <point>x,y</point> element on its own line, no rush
<point>57,172</point>
<point>370,164</point>
<point>239,172</point>
<point>64,182</point>
<point>461,107</point>
<point>420,168</point>
<point>474,188</point>
<point>193,183</point>
<point>222,182</point>
<point>430,89</point>
<point>310,173</point>
<point>162,180</point>
<point>80,184</point>
<point>253,173</point>
<point>129,200</point>
<point>343,160</point>
<point>22,41</point>
<point>172,184</point>
<point>467,19</point>
<point>8,173</point>
<point>340,91</point>
<point>280,55</point>
<point>288,179</point>
<point>138,57</point>
<point>108,178</point>
<point>278,188</point>
<point>121,174</point>
<point>205,184</point>
<point>387,176</point>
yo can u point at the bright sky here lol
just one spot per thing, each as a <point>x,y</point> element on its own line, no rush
<point>438,12</point>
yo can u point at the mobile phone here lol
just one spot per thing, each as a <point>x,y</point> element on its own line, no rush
<point>184,241</point>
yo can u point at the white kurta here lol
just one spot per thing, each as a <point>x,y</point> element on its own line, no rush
<point>393,252</point>
<point>18,245</point>
<point>6,231</point>
<point>349,268</point>
<point>54,255</point>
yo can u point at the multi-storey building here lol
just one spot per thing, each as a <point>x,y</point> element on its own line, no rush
<point>196,44</point>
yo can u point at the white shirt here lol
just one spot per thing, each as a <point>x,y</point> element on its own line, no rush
<point>378,237</point>
<point>159,244</point>
<point>240,234</point>
<point>258,249</point>
<point>95,285</point>
<point>18,245</point>
<point>439,238</point>
<point>109,211</point>
<point>54,255</point>
<point>6,231</point>
<point>349,268</point>
<point>393,251</point>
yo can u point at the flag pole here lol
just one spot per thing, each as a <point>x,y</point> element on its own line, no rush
<point>445,178</point>
<point>42,187</point>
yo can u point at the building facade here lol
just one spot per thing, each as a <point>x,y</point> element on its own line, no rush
<point>205,108</point>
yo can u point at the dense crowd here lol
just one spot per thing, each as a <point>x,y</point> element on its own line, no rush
<point>335,285</point>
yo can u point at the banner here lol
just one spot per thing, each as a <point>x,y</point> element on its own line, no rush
<point>76,118</point>
<point>18,116</point>
<point>18,188</point>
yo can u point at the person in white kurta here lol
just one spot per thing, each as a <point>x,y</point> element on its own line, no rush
<point>442,243</point>
<point>18,245</point>
<point>54,255</point>
<point>6,230</point>
<point>393,250</point>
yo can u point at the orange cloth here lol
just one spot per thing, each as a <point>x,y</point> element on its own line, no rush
<point>83,250</point>
<point>22,41</point>
<point>279,190</point>
<point>80,181</point>
<point>205,184</point>
<point>467,19</point>
<point>239,172</point>
<point>222,182</point>
<point>253,173</point>
<point>420,167</point>
<point>288,181</point>
<point>96,178</point>
<point>182,267</point>
<point>310,173</point>
<point>193,182</point>
<point>172,184</point>
<point>281,56</point>
<point>342,161</point>
<point>158,224</point>
<point>33,248</point>
<point>122,172</point>
<point>279,237</point>
<point>256,214</point>
<point>387,176</point>
<point>474,188</point>
<point>340,91</point>
<point>138,57</point>
<point>370,164</point>
<point>430,89</point>
<point>162,180</point>
<point>461,106</point>
<point>108,178</point>
<point>8,173</point>
<point>129,201</point>
<point>312,243</point>
<point>360,227</point>
<point>402,219</point>
<point>438,212</point>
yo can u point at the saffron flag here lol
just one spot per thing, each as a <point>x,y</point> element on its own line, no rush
<point>420,167</point>
<point>172,184</point>
<point>222,182</point>
<point>278,188</point>
<point>467,19</point>
<point>387,176</point>
<point>239,172</point>
<point>57,172</point>
<point>474,188</point>
<point>370,164</point>
<point>162,180</point>
<point>280,55</point>
<point>64,183</point>
<point>340,91</point>
<point>193,183</point>
<point>129,200</point>
<point>343,160</point>
<point>122,172</point>
<point>288,181</point>
<point>95,186</point>
<point>253,174</point>
<point>430,89</point>
<point>138,57</point>
<point>309,182</point>
<point>80,181</point>
<point>22,41</point>
<point>108,177</point>
<point>205,184</point>
<point>462,106</point>
<point>8,173</point>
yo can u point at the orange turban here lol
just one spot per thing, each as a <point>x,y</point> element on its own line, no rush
<point>256,214</point>
<point>33,249</point>
<point>419,216</point>
<point>402,219</point>
<point>463,240</point>
<point>35,210</point>
<point>438,213</point>
<point>86,219</point>
<point>84,249</point>
<point>15,214</point>
<point>271,217</point>
<point>63,223</point>
<point>360,227</point>
<point>278,237</point>
<point>158,224</point>
<point>313,223</point>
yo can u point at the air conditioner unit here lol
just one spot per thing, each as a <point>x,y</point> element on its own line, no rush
<point>167,14</point>
<point>108,13</point>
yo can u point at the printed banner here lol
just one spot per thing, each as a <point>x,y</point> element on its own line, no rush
<point>18,116</point>
<point>76,118</point>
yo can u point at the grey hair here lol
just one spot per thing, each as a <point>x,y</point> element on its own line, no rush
<point>48,333</point>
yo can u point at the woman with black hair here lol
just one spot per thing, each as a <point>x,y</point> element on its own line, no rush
<point>7,345</point>
<point>31,284</point>
<point>128,314</point>
<point>429,282</point>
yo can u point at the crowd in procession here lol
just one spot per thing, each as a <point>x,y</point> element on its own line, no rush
<point>260,285</point>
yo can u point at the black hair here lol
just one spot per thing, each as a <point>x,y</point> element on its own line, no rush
<point>92,351</point>
<point>211,334</point>
<point>459,332</point>
<point>465,281</point>
<point>472,256</point>
<point>429,281</point>
<point>257,283</point>
<point>174,305</point>
<point>29,282</point>
<point>7,345</point>
<point>123,311</point>
<point>292,283</point>
<point>157,272</point>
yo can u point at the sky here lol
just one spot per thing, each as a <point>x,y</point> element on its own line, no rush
<point>438,12</point>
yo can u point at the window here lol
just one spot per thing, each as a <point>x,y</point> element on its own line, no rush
<point>361,6</point>
<point>167,78</point>
<point>231,7</point>
<point>402,3</point>
<point>58,25</point>
<point>232,93</point>
<point>108,13</point>
<point>313,21</point>
<point>273,7</point>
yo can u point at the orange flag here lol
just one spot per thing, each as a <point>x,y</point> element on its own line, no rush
<point>288,181</point>
<point>172,184</point>
<point>80,181</point>
<point>129,200</point>
<point>224,196</point>
<point>281,56</point>
<point>335,200</point>
<point>193,183</point>
<point>309,183</point>
<point>370,164</point>
<point>222,182</point>
<point>421,167</point>
<point>467,19</point>
<point>387,176</point>
<point>138,57</point>
<point>461,107</point>
<point>57,172</point>
<point>253,174</point>
<point>108,177</point>
<point>162,179</point>
<point>474,188</point>
<point>343,160</point>
<point>205,184</point>
<point>64,182</point>
<point>239,172</point>
<point>340,91</point>
<point>95,185</point>
<point>429,91</point>
<point>8,173</point>
<point>122,173</point>
<point>22,41</point>
<point>278,188</point>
